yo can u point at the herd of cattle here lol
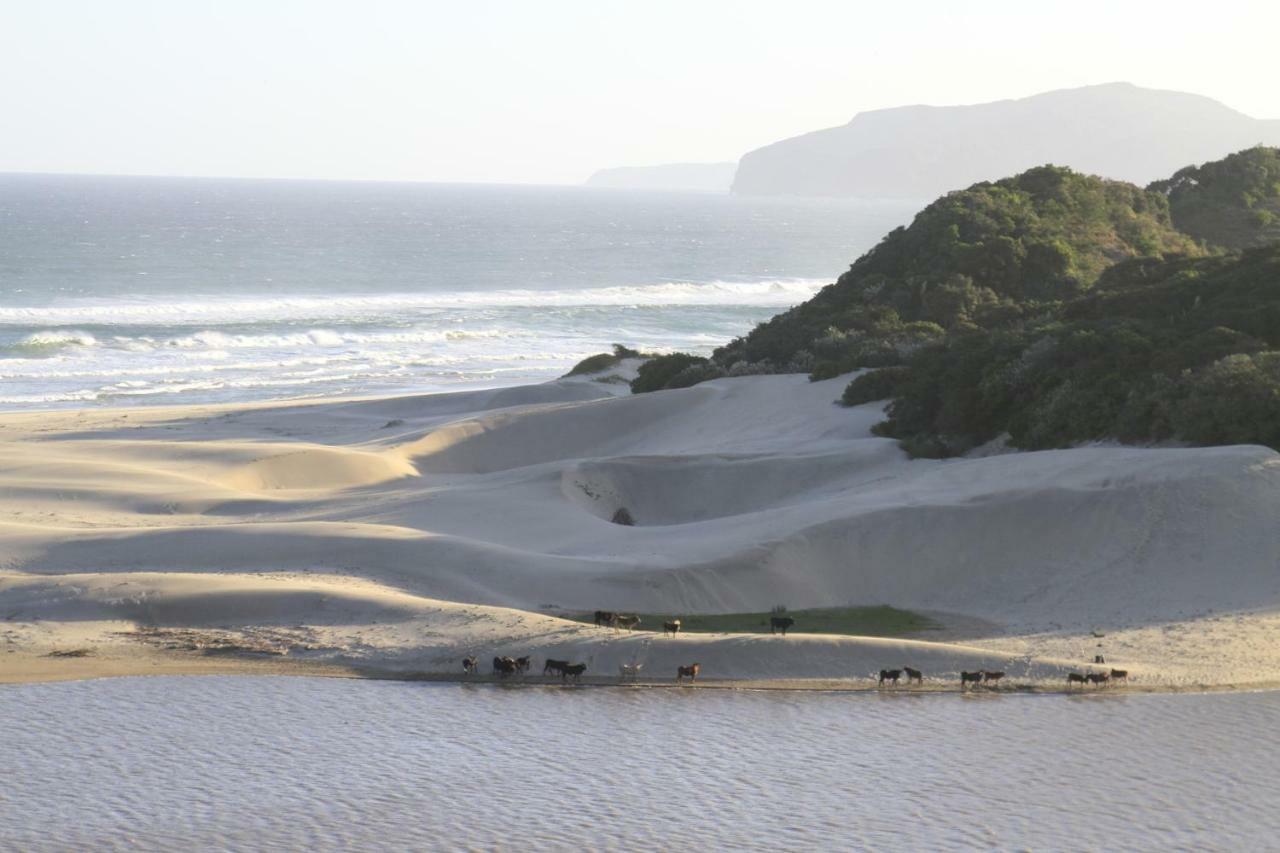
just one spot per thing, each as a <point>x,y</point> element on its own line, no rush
<point>509,666</point>
<point>631,621</point>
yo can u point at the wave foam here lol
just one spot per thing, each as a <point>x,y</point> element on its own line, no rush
<point>354,307</point>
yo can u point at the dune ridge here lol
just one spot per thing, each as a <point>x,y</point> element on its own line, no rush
<point>400,534</point>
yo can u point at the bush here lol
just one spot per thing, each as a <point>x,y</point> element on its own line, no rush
<point>657,372</point>
<point>594,364</point>
<point>874,385</point>
<point>603,361</point>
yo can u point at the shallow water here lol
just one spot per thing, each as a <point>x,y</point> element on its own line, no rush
<point>271,763</point>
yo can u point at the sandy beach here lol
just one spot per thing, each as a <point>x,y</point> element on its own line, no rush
<point>392,537</point>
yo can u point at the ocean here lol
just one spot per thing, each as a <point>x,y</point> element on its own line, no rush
<point>262,763</point>
<point>130,291</point>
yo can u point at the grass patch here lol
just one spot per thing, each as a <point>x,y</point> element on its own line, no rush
<point>881,621</point>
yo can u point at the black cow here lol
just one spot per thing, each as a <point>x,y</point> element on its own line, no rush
<point>780,623</point>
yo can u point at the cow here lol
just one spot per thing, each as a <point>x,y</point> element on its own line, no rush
<point>605,618</point>
<point>523,664</point>
<point>671,628</point>
<point>626,620</point>
<point>629,670</point>
<point>970,677</point>
<point>1098,679</point>
<point>504,666</point>
<point>889,675</point>
<point>1075,678</point>
<point>470,665</point>
<point>991,676</point>
<point>1119,675</point>
<point>913,675</point>
<point>780,623</point>
<point>573,671</point>
<point>691,671</point>
<point>554,666</point>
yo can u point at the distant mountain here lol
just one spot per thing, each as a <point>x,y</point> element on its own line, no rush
<point>1116,130</point>
<point>703,177</point>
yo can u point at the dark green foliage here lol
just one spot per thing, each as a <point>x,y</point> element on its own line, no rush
<point>1235,400</point>
<point>874,385</point>
<point>658,372</point>
<point>1159,349</point>
<point>603,361</point>
<point>978,258</point>
<point>1233,202</point>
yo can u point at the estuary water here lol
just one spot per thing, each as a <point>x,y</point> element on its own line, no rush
<point>233,763</point>
<point>128,291</point>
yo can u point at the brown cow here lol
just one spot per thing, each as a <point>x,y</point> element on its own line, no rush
<point>1076,678</point>
<point>970,678</point>
<point>470,665</point>
<point>991,676</point>
<point>691,671</point>
<point>671,628</point>
<point>1119,675</point>
<point>523,664</point>
<point>1098,678</point>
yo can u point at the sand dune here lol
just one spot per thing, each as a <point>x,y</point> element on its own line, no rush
<point>402,533</point>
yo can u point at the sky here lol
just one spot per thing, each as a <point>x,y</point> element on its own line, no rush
<point>547,92</point>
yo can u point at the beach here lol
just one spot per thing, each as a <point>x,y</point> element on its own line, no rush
<point>392,537</point>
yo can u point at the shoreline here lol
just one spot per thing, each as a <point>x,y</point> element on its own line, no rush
<point>43,668</point>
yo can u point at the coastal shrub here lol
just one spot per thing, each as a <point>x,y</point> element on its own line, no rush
<point>980,258</point>
<point>695,373</point>
<point>603,361</point>
<point>1235,400</point>
<point>873,385</point>
<point>1176,349</point>
<point>655,373</point>
<point>1233,203</point>
<point>594,364</point>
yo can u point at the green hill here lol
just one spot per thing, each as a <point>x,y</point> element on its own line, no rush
<point>1053,308</point>
<point>1184,349</point>
<point>979,257</point>
<point>1233,203</point>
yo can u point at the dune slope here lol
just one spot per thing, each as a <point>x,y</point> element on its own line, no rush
<point>404,533</point>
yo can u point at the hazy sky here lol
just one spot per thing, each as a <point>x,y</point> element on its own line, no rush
<point>547,92</point>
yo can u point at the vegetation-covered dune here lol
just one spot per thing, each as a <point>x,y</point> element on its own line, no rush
<point>1054,307</point>
<point>1233,202</point>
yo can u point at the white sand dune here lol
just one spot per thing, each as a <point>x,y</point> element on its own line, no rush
<point>402,533</point>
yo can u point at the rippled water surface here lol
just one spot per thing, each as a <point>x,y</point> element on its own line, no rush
<point>268,763</point>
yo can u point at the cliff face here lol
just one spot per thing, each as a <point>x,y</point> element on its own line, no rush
<point>700,177</point>
<point>1116,130</point>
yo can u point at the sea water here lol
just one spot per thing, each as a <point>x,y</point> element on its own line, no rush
<point>128,291</point>
<point>235,763</point>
